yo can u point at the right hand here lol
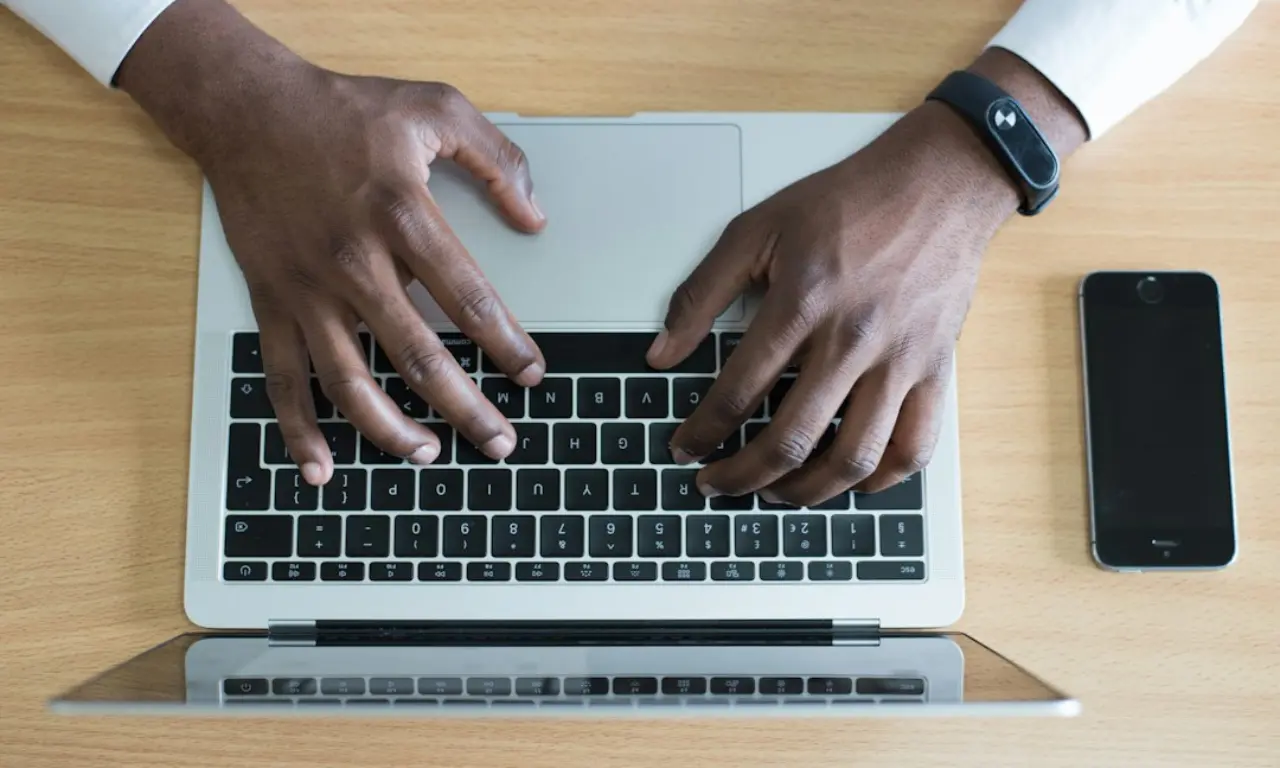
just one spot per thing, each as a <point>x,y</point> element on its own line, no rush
<point>321,185</point>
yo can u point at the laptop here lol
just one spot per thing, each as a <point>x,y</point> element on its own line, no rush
<point>584,572</point>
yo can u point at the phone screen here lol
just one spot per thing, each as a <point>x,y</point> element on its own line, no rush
<point>1159,456</point>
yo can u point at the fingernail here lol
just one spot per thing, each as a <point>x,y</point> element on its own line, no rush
<point>708,491</point>
<point>682,456</point>
<point>498,447</point>
<point>533,203</point>
<point>660,343</point>
<point>425,454</point>
<point>530,375</point>
<point>313,473</point>
<point>770,496</point>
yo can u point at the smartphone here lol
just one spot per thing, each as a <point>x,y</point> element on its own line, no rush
<point>1159,456</point>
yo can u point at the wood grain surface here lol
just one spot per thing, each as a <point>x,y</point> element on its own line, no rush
<point>98,234</point>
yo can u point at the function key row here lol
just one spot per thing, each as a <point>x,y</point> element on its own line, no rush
<point>573,536</point>
<point>583,571</point>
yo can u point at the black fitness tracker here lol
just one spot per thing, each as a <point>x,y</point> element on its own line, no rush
<point>1006,129</point>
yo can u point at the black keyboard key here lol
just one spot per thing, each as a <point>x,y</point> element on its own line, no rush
<point>551,399</point>
<point>274,450</point>
<point>506,395</point>
<point>294,686</point>
<point>391,571</point>
<point>728,343</point>
<point>439,571</point>
<point>599,398</point>
<point>417,535</point>
<point>246,354</point>
<point>293,571</point>
<point>249,398</point>
<point>830,686</point>
<point>391,686</point>
<point>731,445</point>
<point>295,494</point>
<point>440,490</point>
<point>489,490</point>
<point>470,454</point>
<point>781,570</point>
<point>680,490</point>
<point>586,686</point>
<point>368,535</point>
<point>324,408</point>
<point>613,352</point>
<point>586,571</point>
<point>488,686</point>
<point>245,686</point>
<point>687,393</point>
<point>241,571</point>
<point>853,535</point>
<point>538,490</point>
<point>725,503</point>
<point>258,536</point>
<point>372,454</point>
<point>573,443</point>
<point>393,489</point>
<point>488,571</point>
<point>890,570</point>
<point>684,686</point>
<point>342,571</point>
<point>319,536</point>
<point>839,501</point>
<point>755,536</point>
<point>463,350</point>
<point>621,443</point>
<point>248,484</point>
<point>537,571</point>
<point>465,536</point>
<point>586,489</point>
<point>562,536</point>
<point>779,391</point>
<point>660,442</point>
<point>648,398</point>
<point>781,686</point>
<point>828,570</point>
<point>537,686</point>
<point>901,535</point>
<point>440,686</point>
<point>531,444</point>
<point>341,437</point>
<point>635,490</point>
<point>658,536</point>
<point>684,570</point>
<point>346,491</point>
<point>635,686</point>
<point>410,403</point>
<point>342,686</point>
<point>610,536</point>
<point>733,686</point>
<point>804,535</point>
<point>907,495</point>
<point>635,571</point>
<point>890,686</point>
<point>707,535</point>
<point>733,570</point>
<point>514,535</point>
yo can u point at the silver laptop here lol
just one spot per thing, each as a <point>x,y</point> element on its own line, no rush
<point>589,534</point>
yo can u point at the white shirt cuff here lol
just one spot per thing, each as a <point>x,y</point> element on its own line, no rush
<point>1111,56</point>
<point>96,33</point>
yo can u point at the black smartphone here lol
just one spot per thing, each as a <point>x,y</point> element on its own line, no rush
<point>1159,455</point>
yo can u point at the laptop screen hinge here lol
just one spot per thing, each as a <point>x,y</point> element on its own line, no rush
<point>855,632</point>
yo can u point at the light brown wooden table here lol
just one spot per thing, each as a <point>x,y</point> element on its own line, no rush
<point>98,227</point>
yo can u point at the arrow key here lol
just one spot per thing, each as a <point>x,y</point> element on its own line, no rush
<point>249,398</point>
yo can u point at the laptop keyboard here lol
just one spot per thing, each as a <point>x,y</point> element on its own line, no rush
<point>589,494</point>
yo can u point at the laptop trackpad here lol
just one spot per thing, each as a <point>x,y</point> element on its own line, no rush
<point>631,209</point>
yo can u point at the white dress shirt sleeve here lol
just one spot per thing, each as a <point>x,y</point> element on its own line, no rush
<point>96,33</point>
<point>1110,56</point>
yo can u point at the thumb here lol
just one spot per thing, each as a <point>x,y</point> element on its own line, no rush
<point>720,278</point>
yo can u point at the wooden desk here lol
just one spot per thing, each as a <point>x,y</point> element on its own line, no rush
<point>98,223</point>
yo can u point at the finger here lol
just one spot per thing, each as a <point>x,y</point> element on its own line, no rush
<point>760,358</point>
<point>712,286</point>
<point>858,447</point>
<point>418,234</point>
<point>911,445</point>
<point>430,369</point>
<point>344,377</point>
<point>792,434</point>
<point>285,363</point>
<point>470,140</point>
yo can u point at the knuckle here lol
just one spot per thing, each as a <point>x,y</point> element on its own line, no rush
<point>864,324</point>
<point>683,301</point>
<point>347,255</point>
<point>809,305</point>
<point>910,459</point>
<point>447,99</point>
<point>513,158</point>
<point>789,449</point>
<point>425,367</point>
<point>342,387</point>
<point>478,305</point>
<point>857,465</point>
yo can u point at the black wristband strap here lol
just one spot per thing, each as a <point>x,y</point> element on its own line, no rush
<point>1006,129</point>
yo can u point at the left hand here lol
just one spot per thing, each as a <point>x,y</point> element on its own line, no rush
<point>869,266</point>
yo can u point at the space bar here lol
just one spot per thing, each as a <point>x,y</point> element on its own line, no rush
<point>578,352</point>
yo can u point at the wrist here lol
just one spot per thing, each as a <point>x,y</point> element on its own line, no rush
<point>1053,113</point>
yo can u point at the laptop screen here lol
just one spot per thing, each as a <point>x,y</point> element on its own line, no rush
<point>906,674</point>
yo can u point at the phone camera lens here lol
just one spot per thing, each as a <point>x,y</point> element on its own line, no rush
<point>1150,290</point>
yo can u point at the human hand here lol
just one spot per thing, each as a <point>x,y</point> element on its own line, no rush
<point>321,185</point>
